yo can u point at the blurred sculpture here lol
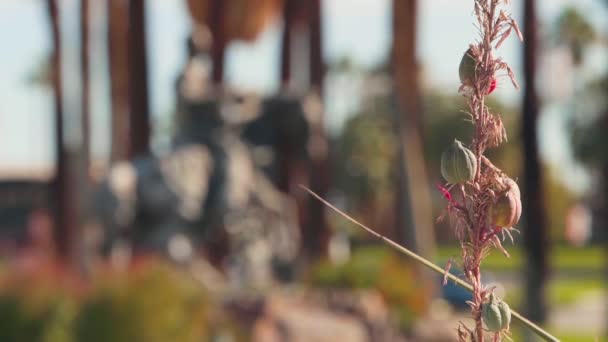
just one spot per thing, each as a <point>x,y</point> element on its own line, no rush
<point>215,182</point>
<point>206,184</point>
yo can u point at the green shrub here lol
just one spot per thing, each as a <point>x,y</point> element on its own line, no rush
<point>151,304</point>
<point>381,269</point>
<point>154,304</point>
<point>28,315</point>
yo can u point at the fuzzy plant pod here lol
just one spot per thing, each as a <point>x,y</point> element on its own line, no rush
<point>505,314</point>
<point>506,211</point>
<point>468,70</point>
<point>458,164</point>
<point>496,314</point>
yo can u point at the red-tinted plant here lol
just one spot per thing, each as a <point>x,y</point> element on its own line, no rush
<point>484,209</point>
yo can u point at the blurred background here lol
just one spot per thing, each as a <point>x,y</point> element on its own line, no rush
<point>152,152</point>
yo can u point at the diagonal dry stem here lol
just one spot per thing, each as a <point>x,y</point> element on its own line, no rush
<point>538,330</point>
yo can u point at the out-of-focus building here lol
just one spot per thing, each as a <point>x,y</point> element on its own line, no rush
<point>22,192</point>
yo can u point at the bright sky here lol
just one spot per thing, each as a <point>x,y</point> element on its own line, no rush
<point>359,29</point>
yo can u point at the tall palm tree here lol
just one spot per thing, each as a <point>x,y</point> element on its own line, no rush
<point>85,81</point>
<point>604,174</point>
<point>575,31</point>
<point>413,205</point>
<point>317,234</point>
<point>118,48</point>
<point>286,41</point>
<point>64,224</point>
<point>129,79</point>
<point>139,126</point>
<point>536,240</point>
<point>215,18</point>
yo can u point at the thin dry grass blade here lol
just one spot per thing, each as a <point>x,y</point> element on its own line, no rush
<point>538,330</point>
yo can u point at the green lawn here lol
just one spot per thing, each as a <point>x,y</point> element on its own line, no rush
<point>578,338</point>
<point>563,258</point>
<point>563,291</point>
<point>517,336</point>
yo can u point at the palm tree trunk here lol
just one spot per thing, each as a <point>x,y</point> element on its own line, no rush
<point>317,66</point>
<point>218,31</point>
<point>118,41</point>
<point>286,42</point>
<point>604,233</point>
<point>85,81</point>
<point>536,240</point>
<point>413,204</point>
<point>138,80</point>
<point>83,156</point>
<point>64,223</point>
<point>316,237</point>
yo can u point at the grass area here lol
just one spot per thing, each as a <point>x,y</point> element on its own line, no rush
<point>563,258</point>
<point>567,291</point>
<point>563,291</point>
<point>518,336</point>
<point>578,338</point>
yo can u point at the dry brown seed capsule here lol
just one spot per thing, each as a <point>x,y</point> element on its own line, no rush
<point>506,211</point>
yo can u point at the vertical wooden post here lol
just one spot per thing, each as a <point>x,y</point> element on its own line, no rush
<point>536,240</point>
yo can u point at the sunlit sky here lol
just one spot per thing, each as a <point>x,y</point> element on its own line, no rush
<point>358,29</point>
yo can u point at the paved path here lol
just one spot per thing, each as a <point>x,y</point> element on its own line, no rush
<point>588,315</point>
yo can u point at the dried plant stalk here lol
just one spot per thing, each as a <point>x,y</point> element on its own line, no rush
<point>483,203</point>
<point>538,330</point>
<point>469,213</point>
